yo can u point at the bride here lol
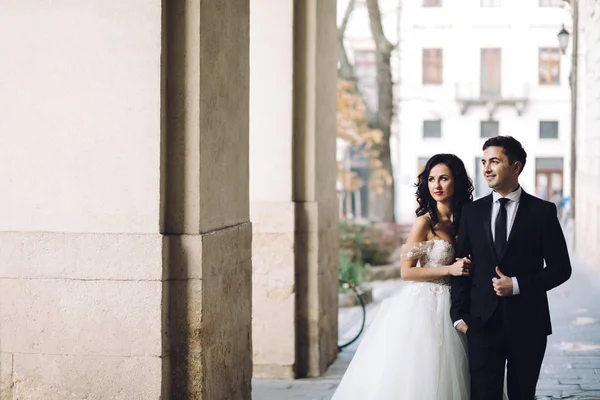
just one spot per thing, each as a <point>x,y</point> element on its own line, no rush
<point>411,350</point>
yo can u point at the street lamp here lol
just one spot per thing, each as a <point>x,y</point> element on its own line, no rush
<point>563,39</point>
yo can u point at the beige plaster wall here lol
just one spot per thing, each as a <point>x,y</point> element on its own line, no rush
<point>81,106</point>
<point>272,207</point>
<point>125,251</point>
<point>81,260</point>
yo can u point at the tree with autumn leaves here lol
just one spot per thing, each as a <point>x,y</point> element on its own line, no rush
<point>354,134</point>
<point>369,129</point>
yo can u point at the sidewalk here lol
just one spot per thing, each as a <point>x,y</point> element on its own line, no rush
<point>322,388</point>
<point>571,367</point>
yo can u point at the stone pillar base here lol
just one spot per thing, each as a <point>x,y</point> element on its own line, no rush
<point>209,320</point>
<point>81,315</point>
<point>126,316</point>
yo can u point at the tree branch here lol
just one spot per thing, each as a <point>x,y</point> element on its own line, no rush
<point>345,71</point>
<point>381,42</point>
<point>347,14</point>
<point>381,203</point>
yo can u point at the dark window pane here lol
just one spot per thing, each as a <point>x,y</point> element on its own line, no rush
<point>548,129</point>
<point>489,129</point>
<point>432,129</point>
<point>548,164</point>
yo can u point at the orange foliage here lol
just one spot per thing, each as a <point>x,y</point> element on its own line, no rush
<point>353,129</point>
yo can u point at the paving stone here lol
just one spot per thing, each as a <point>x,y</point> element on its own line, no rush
<point>579,381</point>
<point>557,387</point>
<point>548,394</point>
<point>590,387</point>
<point>580,365</point>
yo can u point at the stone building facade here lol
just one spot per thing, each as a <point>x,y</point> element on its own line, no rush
<point>587,211</point>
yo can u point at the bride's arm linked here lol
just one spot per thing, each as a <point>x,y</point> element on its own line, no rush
<point>416,246</point>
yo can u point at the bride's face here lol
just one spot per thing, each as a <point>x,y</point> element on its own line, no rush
<point>441,183</point>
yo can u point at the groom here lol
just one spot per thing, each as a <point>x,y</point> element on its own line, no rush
<point>502,307</point>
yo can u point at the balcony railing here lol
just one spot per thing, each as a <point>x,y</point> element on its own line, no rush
<point>469,94</point>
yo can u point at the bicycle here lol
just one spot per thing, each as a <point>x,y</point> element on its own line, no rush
<point>356,290</point>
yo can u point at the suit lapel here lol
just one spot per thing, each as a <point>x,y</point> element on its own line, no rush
<point>488,223</point>
<point>518,224</point>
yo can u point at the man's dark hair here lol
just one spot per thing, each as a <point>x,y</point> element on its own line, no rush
<point>512,148</point>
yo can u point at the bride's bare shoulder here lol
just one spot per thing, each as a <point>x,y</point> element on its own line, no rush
<point>422,223</point>
<point>420,229</point>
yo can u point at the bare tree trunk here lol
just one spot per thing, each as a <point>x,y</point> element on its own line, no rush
<point>381,204</point>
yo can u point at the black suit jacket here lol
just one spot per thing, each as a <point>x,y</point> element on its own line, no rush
<point>535,237</point>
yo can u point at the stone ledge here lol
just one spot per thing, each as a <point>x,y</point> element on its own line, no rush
<point>383,272</point>
<point>273,217</point>
<point>207,254</point>
<point>209,320</point>
<point>59,377</point>
<point>81,318</point>
<point>273,371</point>
<point>47,255</point>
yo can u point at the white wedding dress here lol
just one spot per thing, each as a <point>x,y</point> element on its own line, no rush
<point>411,351</point>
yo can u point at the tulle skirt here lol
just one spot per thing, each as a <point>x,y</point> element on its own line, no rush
<point>411,351</point>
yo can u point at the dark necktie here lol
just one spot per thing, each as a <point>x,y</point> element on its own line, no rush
<point>500,228</point>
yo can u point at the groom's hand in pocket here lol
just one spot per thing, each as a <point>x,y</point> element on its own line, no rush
<point>462,327</point>
<point>503,286</point>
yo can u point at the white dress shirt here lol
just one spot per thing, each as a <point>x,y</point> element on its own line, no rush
<point>511,212</point>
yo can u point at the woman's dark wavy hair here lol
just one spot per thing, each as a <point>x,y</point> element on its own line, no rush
<point>463,189</point>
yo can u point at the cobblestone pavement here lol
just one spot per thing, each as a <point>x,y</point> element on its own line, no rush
<point>571,368</point>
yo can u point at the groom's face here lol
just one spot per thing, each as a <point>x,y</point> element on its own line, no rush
<point>497,170</point>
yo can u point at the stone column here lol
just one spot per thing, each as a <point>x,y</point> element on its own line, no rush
<point>124,225</point>
<point>292,186</point>
<point>206,202</point>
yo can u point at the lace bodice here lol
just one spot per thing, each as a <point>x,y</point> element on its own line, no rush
<point>430,254</point>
